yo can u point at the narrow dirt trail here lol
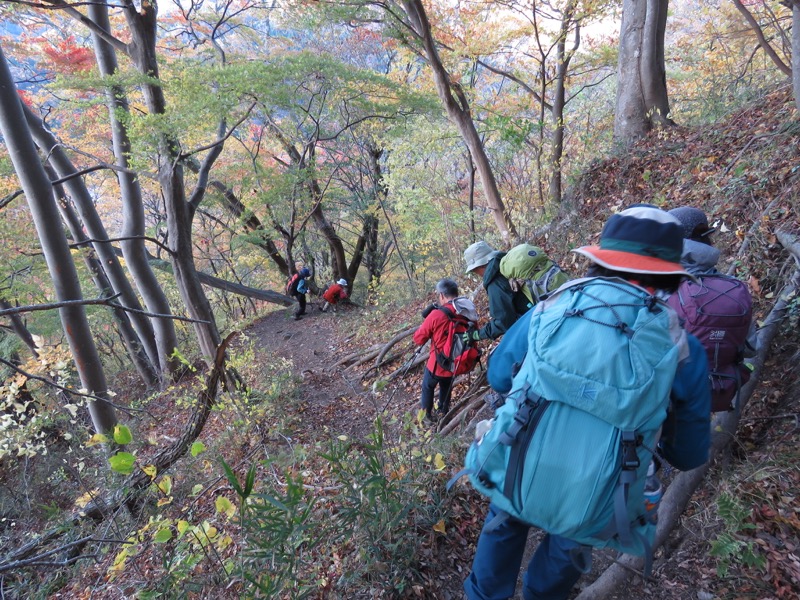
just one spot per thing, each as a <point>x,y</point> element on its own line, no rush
<point>330,396</point>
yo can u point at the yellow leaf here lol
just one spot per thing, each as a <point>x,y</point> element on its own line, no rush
<point>150,471</point>
<point>164,501</point>
<point>440,527</point>
<point>83,500</point>
<point>438,462</point>
<point>97,438</point>
<point>119,561</point>
<point>224,505</point>
<point>165,485</point>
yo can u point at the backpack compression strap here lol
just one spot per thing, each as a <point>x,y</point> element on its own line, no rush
<point>518,437</point>
<point>620,525</point>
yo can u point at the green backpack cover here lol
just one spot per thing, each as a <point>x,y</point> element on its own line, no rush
<point>569,450</point>
<point>530,270</point>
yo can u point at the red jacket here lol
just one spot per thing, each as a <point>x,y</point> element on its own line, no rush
<point>434,328</point>
<point>334,293</point>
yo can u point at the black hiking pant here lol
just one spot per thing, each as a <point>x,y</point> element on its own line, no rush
<point>301,304</point>
<point>429,383</point>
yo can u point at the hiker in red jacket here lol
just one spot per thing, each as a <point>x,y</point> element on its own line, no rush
<point>435,328</point>
<point>331,296</point>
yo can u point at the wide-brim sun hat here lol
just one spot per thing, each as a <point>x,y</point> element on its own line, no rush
<point>478,254</point>
<point>342,282</point>
<point>640,239</point>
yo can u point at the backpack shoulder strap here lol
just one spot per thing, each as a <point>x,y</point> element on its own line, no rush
<point>447,311</point>
<point>453,315</point>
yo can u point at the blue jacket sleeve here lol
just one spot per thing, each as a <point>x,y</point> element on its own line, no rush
<point>686,436</point>
<point>302,286</point>
<point>505,360</point>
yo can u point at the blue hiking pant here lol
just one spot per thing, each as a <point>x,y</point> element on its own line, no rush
<point>550,575</point>
<point>429,383</point>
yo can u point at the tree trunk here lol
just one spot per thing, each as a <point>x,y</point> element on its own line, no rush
<point>559,99</point>
<point>327,230</point>
<point>44,212</point>
<point>763,41</point>
<point>95,265</point>
<point>457,107</point>
<point>133,221</point>
<point>796,53</point>
<point>113,274</point>
<point>142,24</point>
<point>642,100</point>
<point>251,224</point>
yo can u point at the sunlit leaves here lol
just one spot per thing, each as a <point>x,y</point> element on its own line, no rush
<point>122,462</point>
<point>122,435</point>
<point>197,448</point>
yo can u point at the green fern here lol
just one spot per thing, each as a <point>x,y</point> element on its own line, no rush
<point>729,547</point>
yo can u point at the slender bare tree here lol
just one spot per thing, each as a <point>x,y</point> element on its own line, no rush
<point>39,194</point>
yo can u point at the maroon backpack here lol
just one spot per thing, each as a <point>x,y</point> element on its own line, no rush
<point>457,356</point>
<point>718,311</point>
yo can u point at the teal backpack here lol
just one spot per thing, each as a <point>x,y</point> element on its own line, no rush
<point>569,450</point>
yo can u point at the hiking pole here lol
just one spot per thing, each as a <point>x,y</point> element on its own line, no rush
<point>403,376</point>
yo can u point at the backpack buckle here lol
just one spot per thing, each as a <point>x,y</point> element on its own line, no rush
<point>630,460</point>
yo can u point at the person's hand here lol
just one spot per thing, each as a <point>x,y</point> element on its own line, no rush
<point>470,336</point>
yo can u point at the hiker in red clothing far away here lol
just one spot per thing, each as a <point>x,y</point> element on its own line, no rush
<point>332,296</point>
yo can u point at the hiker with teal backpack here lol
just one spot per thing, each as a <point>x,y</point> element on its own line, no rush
<point>514,281</point>
<point>589,376</point>
<point>444,323</point>
<point>297,288</point>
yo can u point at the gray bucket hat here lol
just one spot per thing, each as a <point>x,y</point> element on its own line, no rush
<point>693,221</point>
<point>478,254</point>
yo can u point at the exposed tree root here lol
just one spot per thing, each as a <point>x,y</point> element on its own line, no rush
<point>458,419</point>
<point>723,432</point>
<point>390,344</point>
<point>465,404</point>
<point>372,350</point>
<point>419,358</point>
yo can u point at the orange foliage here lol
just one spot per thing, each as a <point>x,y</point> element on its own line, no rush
<point>68,57</point>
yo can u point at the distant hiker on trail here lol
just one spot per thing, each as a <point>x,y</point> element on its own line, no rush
<point>331,296</point>
<point>717,309</point>
<point>589,375</point>
<point>505,305</point>
<point>297,287</point>
<point>444,322</point>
